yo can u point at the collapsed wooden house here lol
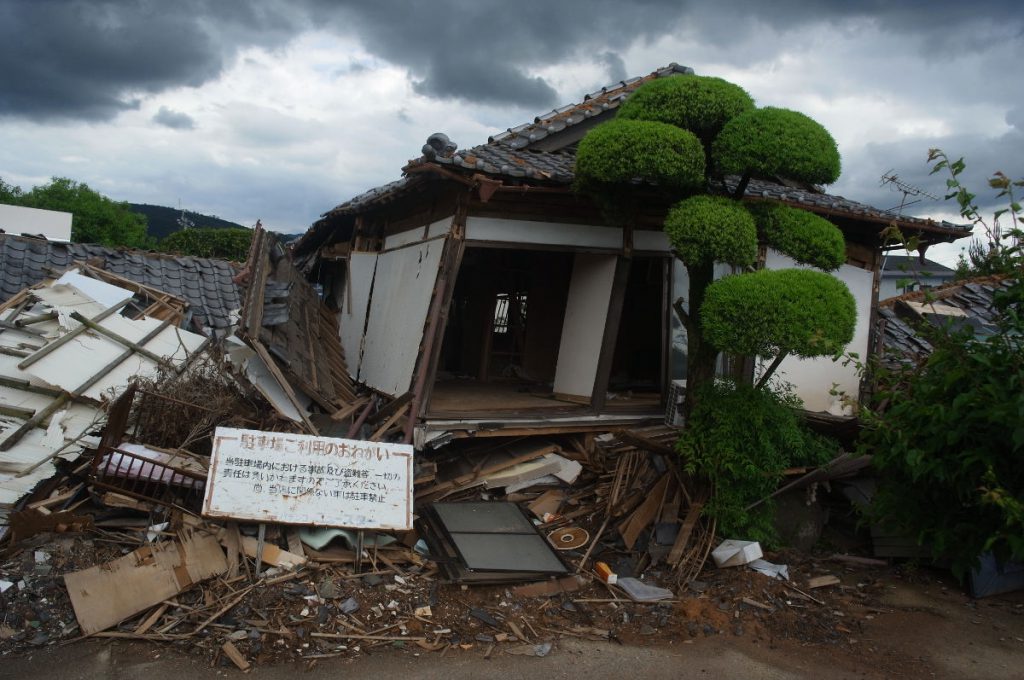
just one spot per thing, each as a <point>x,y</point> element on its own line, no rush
<point>483,291</point>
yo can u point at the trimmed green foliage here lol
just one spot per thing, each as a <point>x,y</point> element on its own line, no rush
<point>949,448</point>
<point>778,142</point>
<point>620,151</point>
<point>712,229</point>
<point>227,244</point>
<point>804,236</point>
<point>742,439</point>
<point>699,104</point>
<point>796,311</point>
<point>95,218</point>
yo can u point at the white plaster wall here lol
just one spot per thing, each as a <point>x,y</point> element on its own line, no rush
<point>415,235</point>
<point>542,233</point>
<point>813,379</point>
<point>54,225</point>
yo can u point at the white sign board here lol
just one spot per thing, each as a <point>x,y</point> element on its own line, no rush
<point>301,479</point>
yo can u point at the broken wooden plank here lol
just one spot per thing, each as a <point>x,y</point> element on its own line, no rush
<point>643,516</point>
<point>822,581</point>
<point>105,595</point>
<point>548,503</point>
<point>236,657</point>
<point>272,555</point>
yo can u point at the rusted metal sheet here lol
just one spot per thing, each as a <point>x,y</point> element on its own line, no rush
<point>302,479</point>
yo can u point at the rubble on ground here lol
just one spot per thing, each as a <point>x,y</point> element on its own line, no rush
<point>112,426</point>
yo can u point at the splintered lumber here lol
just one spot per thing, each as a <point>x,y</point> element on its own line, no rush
<point>236,657</point>
<point>685,531</point>
<point>822,581</point>
<point>547,503</point>
<point>107,594</point>
<point>272,555</point>
<point>645,513</point>
<point>494,461</point>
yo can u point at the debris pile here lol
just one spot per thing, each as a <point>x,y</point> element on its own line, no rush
<point>246,499</point>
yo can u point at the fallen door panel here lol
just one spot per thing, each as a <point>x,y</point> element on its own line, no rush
<point>356,302</point>
<point>586,311</point>
<point>402,288</point>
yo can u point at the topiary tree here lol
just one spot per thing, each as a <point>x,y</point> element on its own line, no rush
<point>771,314</point>
<point>613,156</point>
<point>228,244</point>
<point>776,142</point>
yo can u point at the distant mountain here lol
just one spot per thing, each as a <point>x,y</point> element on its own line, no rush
<point>163,221</point>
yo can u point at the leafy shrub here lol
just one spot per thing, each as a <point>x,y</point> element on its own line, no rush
<point>699,104</point>
<point>777,142</point>
<point>742,439</point>
<point>949,448</point>
<point>621,151</point>
<point>227,244</point>
<point>804,236</point>
<point>94,217</point>
<point>771,311</point>
<point>712,228</point>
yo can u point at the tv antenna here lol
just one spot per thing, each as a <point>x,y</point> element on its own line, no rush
<point>897,184</point>
<point>183,221</point>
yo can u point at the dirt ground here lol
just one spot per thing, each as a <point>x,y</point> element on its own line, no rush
<point>877,623</point>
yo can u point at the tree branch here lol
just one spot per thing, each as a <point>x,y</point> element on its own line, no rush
<point>741,188</point>
<point>771,369</point>
<point>677,307</point>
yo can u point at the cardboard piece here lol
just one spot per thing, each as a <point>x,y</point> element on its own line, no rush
<point>107,594</point>
<point>548,503</point>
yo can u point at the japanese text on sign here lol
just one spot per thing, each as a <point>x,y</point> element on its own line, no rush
<point>302,479</point>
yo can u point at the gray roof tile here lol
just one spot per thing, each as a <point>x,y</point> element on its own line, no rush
<point>206,284</point>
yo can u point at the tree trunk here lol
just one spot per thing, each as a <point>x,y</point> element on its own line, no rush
<point>701,355</point>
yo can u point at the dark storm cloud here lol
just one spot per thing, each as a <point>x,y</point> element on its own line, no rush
<point>91,60</point>
<point>907,158</point>
<point>176,120</point>
<point>616,67</point>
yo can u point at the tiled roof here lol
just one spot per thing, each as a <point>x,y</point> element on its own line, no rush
<point>902,265</point>
<point>974,297</point>
<point>558,168</point>
<point>593,104</point>
<point>507,157</point>
<point>205,283</point>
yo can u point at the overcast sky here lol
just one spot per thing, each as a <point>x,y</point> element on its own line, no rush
<point>280,110</point>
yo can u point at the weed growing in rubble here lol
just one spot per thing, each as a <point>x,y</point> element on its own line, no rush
<point>947,431</point>
<point>742,439</point>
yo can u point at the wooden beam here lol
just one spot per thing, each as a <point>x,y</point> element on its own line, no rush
<point>117,337</point>
<point>611,332</point>
<point>41,416</point>
<point>68,337</point>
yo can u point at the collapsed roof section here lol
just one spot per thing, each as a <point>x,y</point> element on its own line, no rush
<point>968,303</point>
<point>65,347</point>
<point>205,284</point>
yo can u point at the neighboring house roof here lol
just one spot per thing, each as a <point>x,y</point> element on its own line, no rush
<point>603,101</point>
<point>961,303</point>
<point>898,266</point>
<point>206,283</point>
<point>519,156</point>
